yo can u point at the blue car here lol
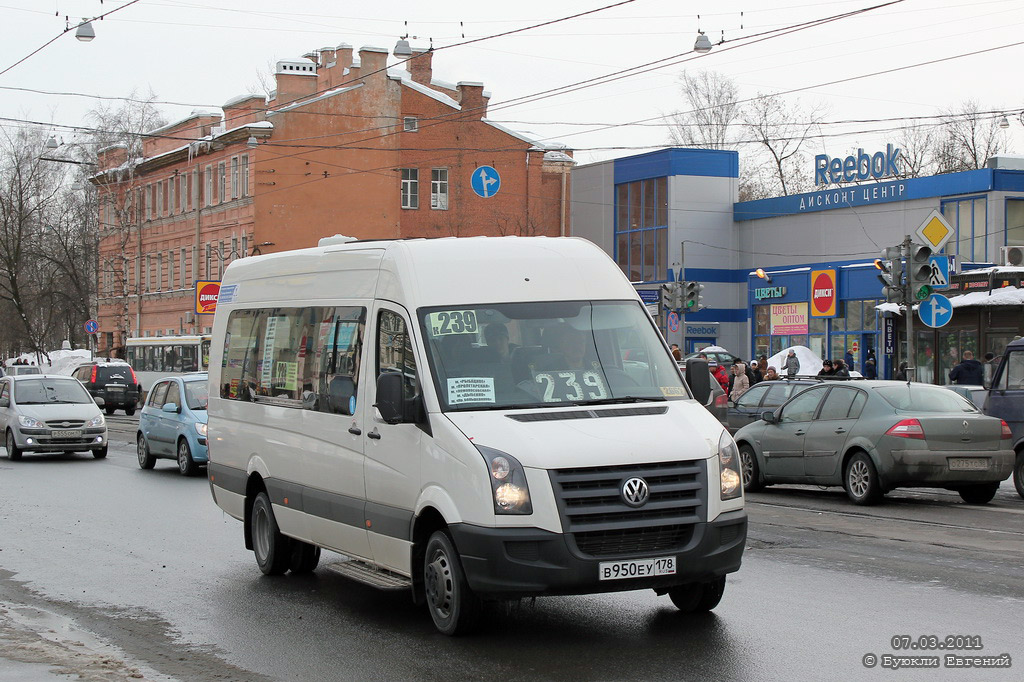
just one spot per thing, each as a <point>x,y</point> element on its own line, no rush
<point>173,423</point>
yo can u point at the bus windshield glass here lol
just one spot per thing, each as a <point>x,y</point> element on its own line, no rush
<point>514,355</point>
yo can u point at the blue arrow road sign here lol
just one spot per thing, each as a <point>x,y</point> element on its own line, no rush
<point>485,181</point>
<point>939,279</point>
<point>936,311</point>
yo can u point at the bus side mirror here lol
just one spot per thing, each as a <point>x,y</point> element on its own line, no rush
<point>393,407</point>
<point>698,378</point>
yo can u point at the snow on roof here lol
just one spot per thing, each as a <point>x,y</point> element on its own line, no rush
<point>753,273</point>
<point>859,265</point>
<point>242,98</point>
<point>405,78</point>
<point>196,113</point>
<point>443,84</point>
<point>116,145</point>
<point>325,95</point>
<point>373,48</point>
<point>1004,296</point>
<point>558,155</point>
<point>525,137</point>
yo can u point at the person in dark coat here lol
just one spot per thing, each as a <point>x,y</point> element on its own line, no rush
<point>841,371</point>
<point>901,373</point>
<point>791,363</point>
<point>826,368</point>
<point>870,367</point>
<point>969,372</point>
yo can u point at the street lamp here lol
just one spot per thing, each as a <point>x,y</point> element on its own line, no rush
<point>702,45</point>
<point>763,275</point>
<point>85,31</point>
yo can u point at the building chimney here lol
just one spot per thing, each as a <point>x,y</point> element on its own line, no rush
<point>419,66</point>
<point>471,98</point>
<point>296,78</point>
<point>371,60</point>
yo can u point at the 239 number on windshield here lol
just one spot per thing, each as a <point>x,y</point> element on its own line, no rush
<point>452,322</point>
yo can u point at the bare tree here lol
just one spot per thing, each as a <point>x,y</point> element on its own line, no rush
<point>781,129</point>
<point>969,138</point>
<point>917,143</point>
<point>712,112</point>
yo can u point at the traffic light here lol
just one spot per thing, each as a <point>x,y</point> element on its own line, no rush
<point>672,295</point>
<point>692,299</point>
<point>891,274</point>
<point>919,273</point>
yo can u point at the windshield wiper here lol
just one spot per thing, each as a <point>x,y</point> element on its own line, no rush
<point>617,401</point>
<point>523,406</point>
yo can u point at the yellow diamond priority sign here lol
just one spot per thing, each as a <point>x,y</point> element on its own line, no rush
<point>934,231</point>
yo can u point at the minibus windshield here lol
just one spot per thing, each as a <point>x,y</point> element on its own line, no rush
<point>517,355</point>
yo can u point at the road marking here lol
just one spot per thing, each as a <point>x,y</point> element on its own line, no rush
<point>892,518</point>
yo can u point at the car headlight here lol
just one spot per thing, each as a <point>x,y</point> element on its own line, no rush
<point>509,489</point>
<point>96,421</point>
<point>30,422</point>
<point>729,467</point>
<point>200,429</point>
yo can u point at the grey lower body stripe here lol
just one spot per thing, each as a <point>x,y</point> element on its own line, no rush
<point>351,511</point>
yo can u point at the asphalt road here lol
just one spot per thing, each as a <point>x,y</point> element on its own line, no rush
<point>114,573</point>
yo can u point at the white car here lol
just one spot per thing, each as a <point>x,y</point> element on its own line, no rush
<point>50,413</point>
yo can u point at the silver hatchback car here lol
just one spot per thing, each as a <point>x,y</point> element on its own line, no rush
<point>875,436</point>
<point>49,413</point>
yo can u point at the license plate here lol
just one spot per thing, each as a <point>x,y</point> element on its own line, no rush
<point>967,463</point>
<point>115,389</point>
<point>640,568</point>
<point>66,433</point>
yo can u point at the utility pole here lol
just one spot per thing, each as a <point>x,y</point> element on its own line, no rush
<point>911,346</point>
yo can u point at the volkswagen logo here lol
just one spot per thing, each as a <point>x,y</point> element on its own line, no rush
<point>635,492</point>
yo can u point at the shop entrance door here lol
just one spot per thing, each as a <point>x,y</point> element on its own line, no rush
<point>694,345</point>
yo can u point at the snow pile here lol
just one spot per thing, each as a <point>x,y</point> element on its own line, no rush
<point>54,362</point>
<point>810,363</point>
<point>1003,296</point>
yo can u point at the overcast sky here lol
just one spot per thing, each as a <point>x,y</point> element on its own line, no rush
<point>201,54</point>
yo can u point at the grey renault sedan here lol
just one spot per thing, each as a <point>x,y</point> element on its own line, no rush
<point>875,436</point>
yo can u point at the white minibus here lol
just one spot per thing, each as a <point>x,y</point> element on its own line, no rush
<point>470,419</point>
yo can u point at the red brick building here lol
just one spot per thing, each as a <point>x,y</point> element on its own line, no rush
<point>344,146</point>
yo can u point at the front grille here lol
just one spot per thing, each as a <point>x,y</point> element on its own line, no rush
<point>66,423</point>
<point>602,524</point>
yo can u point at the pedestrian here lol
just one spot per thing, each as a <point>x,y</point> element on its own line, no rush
<point>901,373</point>
<point>771,374</point>
<point>792,364</point>
<point>990,368</point>
<point>849,360</point>
<point>827,368</point>
<point>740,382</point>
<point>749,373</point>
<point>721,376</point>
<point>756,372</point>
<point>841,371</point>
<point>969,372</point>
<point>870,367</point>
<point>676,353</point>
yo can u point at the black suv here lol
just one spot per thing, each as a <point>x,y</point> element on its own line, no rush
<point>115,382</point>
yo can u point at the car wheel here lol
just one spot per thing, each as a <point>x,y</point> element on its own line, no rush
<point>101,453</point>
<point>305,557</point>
<point>129,410</point>
<point>454,608</point>
<point>978,493</point>
<point>698,597</point>
<point>109,409</point>
<point>272,549</point>
<point>1018,474</point>
<point>861,480</point>
<point>146,460</point>
<point>186,465</point>
<point>749,469</point>
<point>13,451</point>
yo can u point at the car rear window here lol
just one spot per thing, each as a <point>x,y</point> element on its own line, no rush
<point>104,374</point>
<point>921,398</point>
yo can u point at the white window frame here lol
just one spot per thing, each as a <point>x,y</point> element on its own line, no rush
<point>410,188</point>
<point>222,182</point>
<point>245,175</point>
<point>439,189</point>
<point>208,185</point>
<point>234,177</point>
<point>410,124</point>
<point>183,269</point>
<point>170,196</point>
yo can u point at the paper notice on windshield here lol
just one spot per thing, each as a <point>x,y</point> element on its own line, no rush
<point>470,390</point>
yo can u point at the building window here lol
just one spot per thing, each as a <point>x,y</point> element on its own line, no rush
<point>1014,222</point>
<point>410,124</point>
<point>182,270</point>
<point>222,182</point>
<point>170,270</point>
<point>234,177</point>
<point>969,218</point>
<point>208,186</point>
<point>183,192</point>
<point>245,246</point>
<point>410,188</point>
<point>439,189</point>
<point>209,257</point>
<point>170,195</point>
<point>245,175</point>
<point>159,272</point>
<point>193,190</point>
<point>641,229</point>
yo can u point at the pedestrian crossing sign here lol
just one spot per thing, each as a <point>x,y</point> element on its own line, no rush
<point>939,277</point>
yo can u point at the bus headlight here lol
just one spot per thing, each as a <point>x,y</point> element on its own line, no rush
<point>510,492</point>
<point>729,467</point>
